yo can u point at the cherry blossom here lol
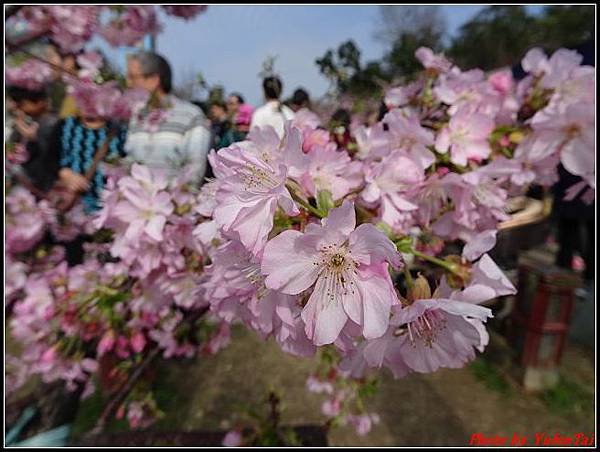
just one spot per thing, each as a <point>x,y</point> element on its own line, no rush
<point>344,264</point>
<point>466,137</point>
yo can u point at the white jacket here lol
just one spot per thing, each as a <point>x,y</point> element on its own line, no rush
<point>269,115</point>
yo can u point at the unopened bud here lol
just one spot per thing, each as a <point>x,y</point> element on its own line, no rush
<point>420,289</point>
<point>404,245</point>
<point>516,137</point>
<point>385,228</point>
<point>183,209</point>
<point>460,272</point>
<point>41,253</point>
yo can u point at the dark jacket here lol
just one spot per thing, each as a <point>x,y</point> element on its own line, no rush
<point>42,166</point>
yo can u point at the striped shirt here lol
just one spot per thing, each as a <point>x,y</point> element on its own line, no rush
<point>78,146</point>
<point>180,140</point>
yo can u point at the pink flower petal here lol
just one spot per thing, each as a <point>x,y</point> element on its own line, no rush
<point>289,276</point>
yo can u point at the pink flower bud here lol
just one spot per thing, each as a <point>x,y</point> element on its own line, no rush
<point>122,349</point>
<point>49,355</point>
<point>362,424</point>
<point>107,343</point>
<point>138,342</point>
<point>232,439</point>
<point>442,171</point>
<point>120,412</point>
<point>502,81</point>
<point>331,408</point>
<point>504,141</point>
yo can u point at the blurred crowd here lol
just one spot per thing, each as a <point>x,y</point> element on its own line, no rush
<point>57,138</point>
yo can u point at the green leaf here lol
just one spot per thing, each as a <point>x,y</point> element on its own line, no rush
<point>281,221</point>
<point>368,389</point>
<point>404,245</point>
<point>108,298</point>
<point>385,228</point>
<point>290,437</point>
<point>324,202</point>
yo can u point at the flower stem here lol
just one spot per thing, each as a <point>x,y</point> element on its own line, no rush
<point>304,203</point>
<point>310,208</point>
<point>434,260</point>
<point>409,280</point>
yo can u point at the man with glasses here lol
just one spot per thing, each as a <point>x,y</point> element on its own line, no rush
<point>167,132</point>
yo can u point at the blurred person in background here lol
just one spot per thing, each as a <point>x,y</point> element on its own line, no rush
<point>575,225</point>
<point>167,132</point>
<point>219,123</point>
<point>239,131</point>
<point>202,106</point>
<point>62,103</point>
<point>76,140</point>
<point>273,113</point>
<point>234,102</point>
<point>300,99</point>
<point>339,127</point>
<point>243,120</point>
<point>32,125</point>
<point>575,220</point>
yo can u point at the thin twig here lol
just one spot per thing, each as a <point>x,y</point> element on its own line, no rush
<point>49,63</point>
<point>304,203</point>
<point>113,405</point>
<point>275,414</point>
<point>123,391</point>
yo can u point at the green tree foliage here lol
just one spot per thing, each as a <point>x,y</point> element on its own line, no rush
<point>405,29</point>
<point>566,26</point>
<point>268,67</point>
<point>401,61</point>
<point>501,35</point>
<point>497,36</point>
<point>344,69</point>
<point>216,93</point>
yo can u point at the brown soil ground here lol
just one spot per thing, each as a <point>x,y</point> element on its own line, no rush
<point>440,409</point>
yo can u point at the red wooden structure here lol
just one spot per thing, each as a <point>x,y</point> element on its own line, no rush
<point>542,312</point>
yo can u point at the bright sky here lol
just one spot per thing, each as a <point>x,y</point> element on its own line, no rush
<point>228,44</point>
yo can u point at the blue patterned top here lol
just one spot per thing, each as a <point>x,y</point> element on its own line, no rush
<point>78,145</point>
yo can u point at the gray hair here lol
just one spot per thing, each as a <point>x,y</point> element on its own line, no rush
<point>152,63</point>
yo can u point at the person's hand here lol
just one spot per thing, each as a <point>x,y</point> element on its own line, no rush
<point>27,131</point>
<point>73,181</point>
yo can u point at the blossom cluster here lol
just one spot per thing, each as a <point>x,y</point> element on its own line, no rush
<point>137,289</point>
<point>130,25</point>
<point>105,100</point>
<point>309,240</point>
<point>72,26</point>
<point>322,229</point>
<point>186,12</point>
<point>31,74</point>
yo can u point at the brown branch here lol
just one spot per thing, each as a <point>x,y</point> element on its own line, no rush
<point>196,315</point>
<point>113,405</point>
<point>275,414</point>
<point>43,60</point>
<point>28,184</point>
<point>123,391</point>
